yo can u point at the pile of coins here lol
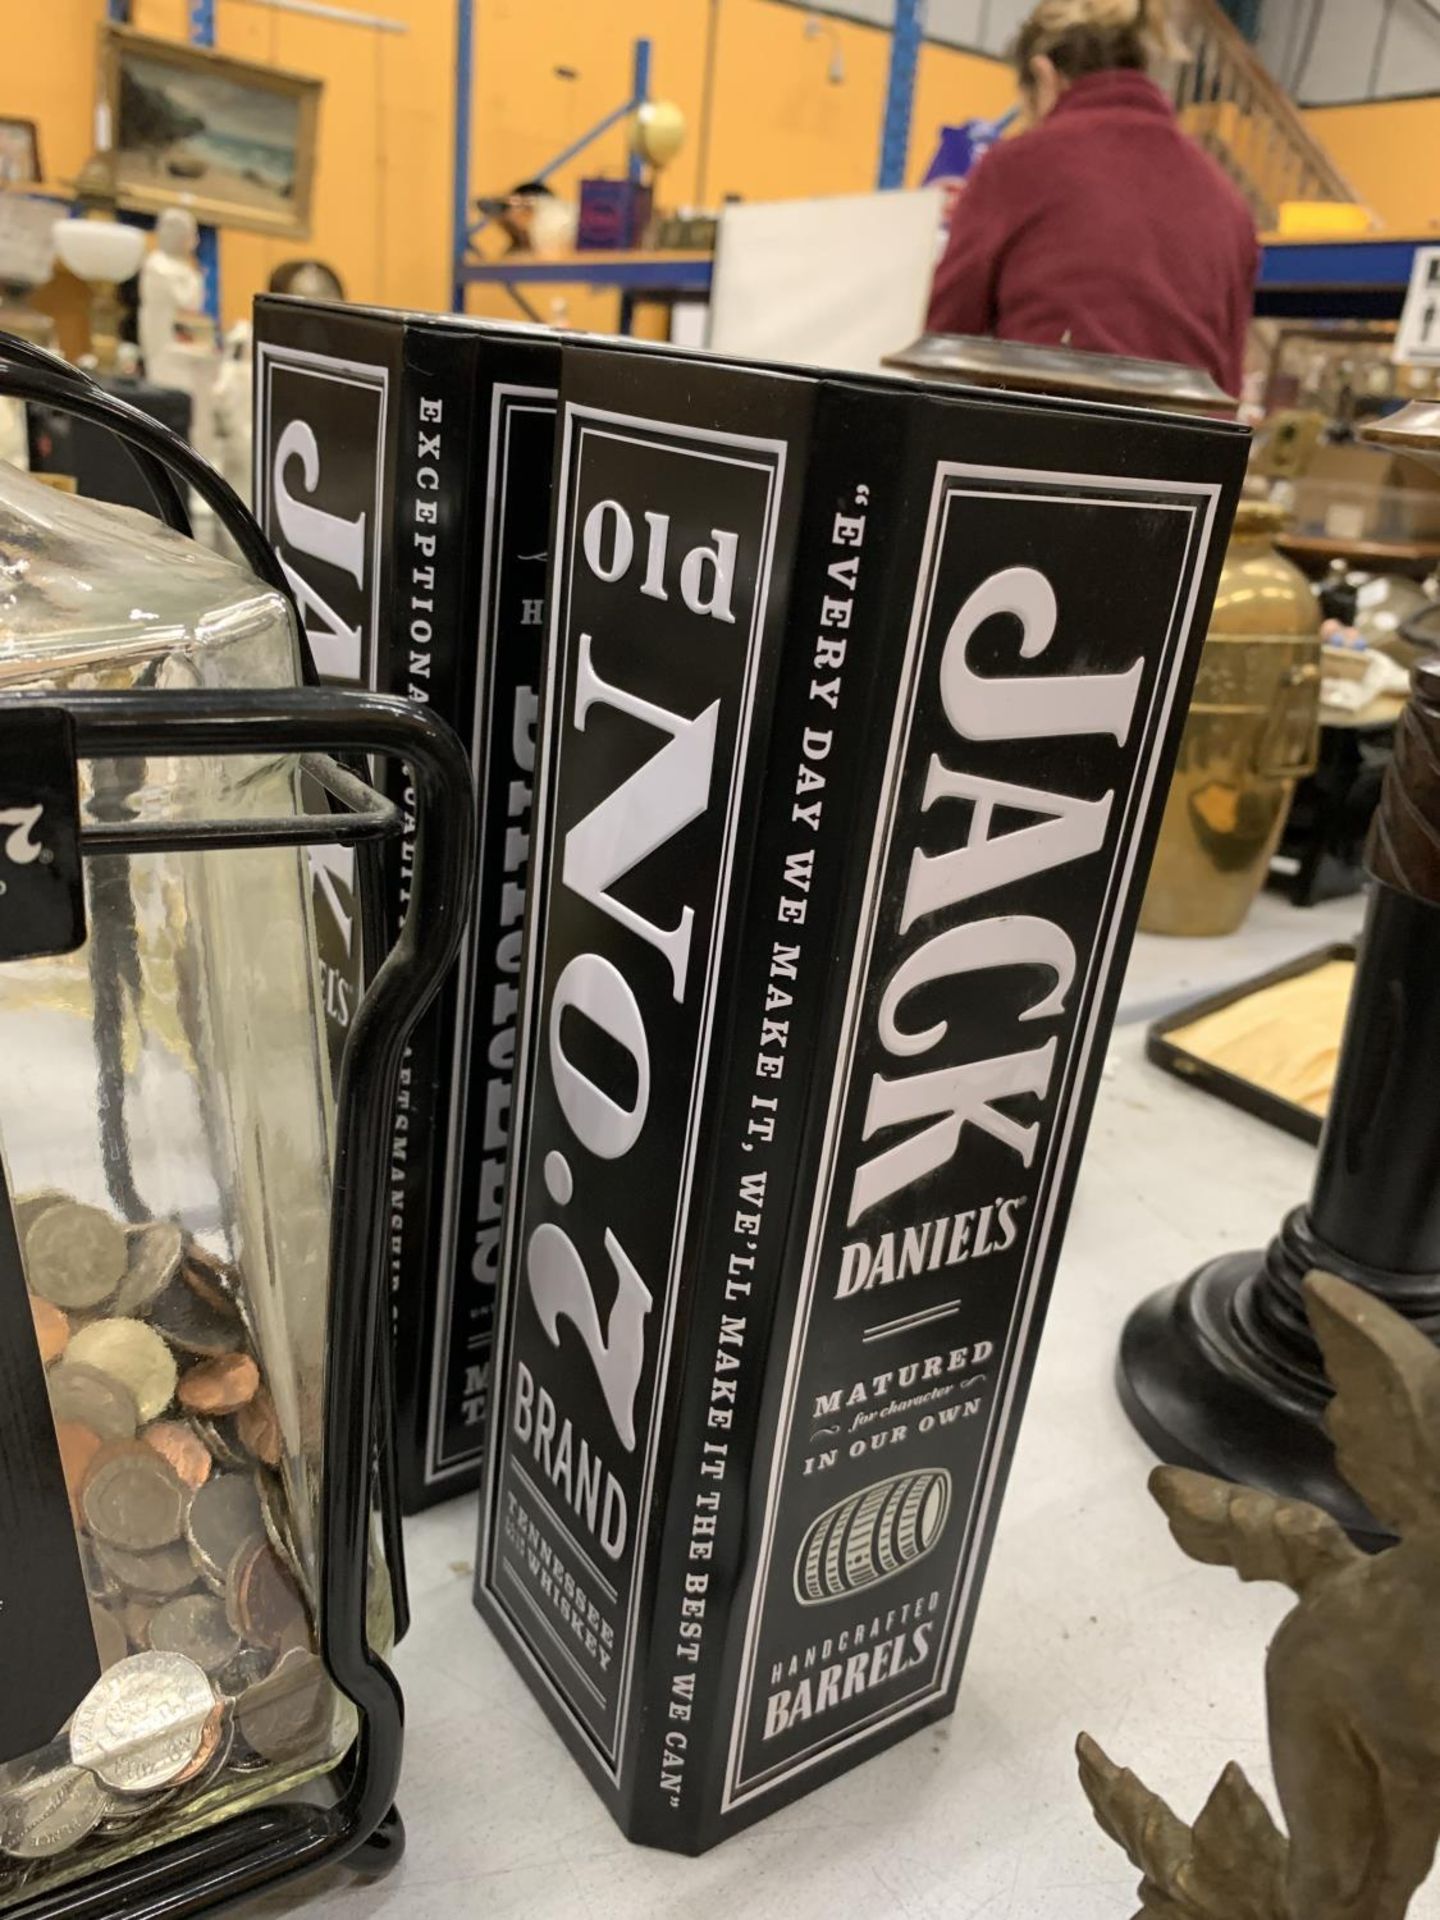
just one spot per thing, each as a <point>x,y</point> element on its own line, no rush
<point>170,1447</point>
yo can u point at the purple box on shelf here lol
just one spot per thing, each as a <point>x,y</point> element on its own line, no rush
<point>613,214</point>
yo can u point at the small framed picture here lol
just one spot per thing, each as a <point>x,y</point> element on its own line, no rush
<point>19,153</point>
<point>232,141</point>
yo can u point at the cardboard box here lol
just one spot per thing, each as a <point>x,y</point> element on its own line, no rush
<point>860,705</point>
<point>403,473</point>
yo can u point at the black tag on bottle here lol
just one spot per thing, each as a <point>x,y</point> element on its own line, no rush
<point>42,895</point>
<point>48,1658</point>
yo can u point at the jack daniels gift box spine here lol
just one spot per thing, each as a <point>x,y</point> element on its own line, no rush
<point>403,468</point>
<point>861,700</point>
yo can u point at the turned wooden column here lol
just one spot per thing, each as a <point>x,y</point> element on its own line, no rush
<point>1222,1372</point>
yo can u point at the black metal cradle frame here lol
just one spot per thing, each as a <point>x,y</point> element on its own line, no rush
<point>333,732</point>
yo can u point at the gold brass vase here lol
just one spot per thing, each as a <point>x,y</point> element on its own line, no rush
<point>1252,731</point>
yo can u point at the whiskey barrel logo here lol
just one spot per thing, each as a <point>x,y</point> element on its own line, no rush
<point>877,1532</point>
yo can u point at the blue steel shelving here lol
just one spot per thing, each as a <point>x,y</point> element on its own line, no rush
<point>1362,279</point>
<point>1299,279</point>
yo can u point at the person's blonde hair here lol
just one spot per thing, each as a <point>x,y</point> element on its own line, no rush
<point>1097,36</point>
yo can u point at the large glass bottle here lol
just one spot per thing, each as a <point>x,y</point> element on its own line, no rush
<point>166,1129</point>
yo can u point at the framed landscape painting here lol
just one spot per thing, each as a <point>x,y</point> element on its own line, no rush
<point>233,142</point>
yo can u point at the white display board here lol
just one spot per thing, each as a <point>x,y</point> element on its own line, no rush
<point>832,283</point>
<point>1417,340</point>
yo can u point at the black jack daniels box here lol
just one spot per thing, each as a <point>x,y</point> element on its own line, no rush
<point>402,472</point>
<point>860,704</point>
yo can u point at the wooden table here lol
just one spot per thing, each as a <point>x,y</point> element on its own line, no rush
<point>1315,551</point>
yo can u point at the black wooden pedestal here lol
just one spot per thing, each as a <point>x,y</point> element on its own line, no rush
<point>1222,1373</point>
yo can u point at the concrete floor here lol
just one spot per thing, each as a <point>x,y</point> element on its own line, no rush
<point>1091,1618</point>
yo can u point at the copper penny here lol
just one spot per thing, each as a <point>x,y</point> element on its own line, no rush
<point>78,1448</point>
<point>220,1386</point>
<point>210,1737</point>
<point>257,1427</point>
<point>183,1448</point>
<point>52,1329</point>
<point>262,1600</point>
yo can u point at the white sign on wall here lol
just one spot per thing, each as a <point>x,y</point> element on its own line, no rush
<point>1417,342</point>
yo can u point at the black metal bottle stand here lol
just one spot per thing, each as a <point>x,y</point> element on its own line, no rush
<point>1222,1372</point>
<point>335,733</point>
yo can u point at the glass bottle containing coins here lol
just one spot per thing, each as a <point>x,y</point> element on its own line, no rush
<point>166,1128</point>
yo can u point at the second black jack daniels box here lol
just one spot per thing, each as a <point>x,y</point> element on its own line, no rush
<point>402,472</point>
<point>860,704</point>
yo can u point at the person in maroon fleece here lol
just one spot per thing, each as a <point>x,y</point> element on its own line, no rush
<point>1104,226</point>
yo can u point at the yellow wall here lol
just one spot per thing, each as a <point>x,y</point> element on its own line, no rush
<point>382,190</point>
<point>1386,149</point>
<point>779,128</point>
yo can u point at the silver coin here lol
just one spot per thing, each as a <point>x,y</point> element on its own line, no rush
<point>93,1399</point>
<point>128,1815</point>
<point>192,1325</point>
<point>133,1354</point>
<point>289,1711</point>
<point>142,1723</point>
<point>275,1512</point>
<point>197,1627</point>
<point>247,1669</point>
<point>148,1576</point>
<point>224,1518</point>
<point>154,1260</point>
<point>51,1812</point>
<point>28,1207</point>
<point>14,1773</point>
<point>75,1256</point>
<point>135,1501</point>
<point>120,1824</point>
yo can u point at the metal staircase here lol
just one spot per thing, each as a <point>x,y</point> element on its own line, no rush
<point>1234,107</point>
